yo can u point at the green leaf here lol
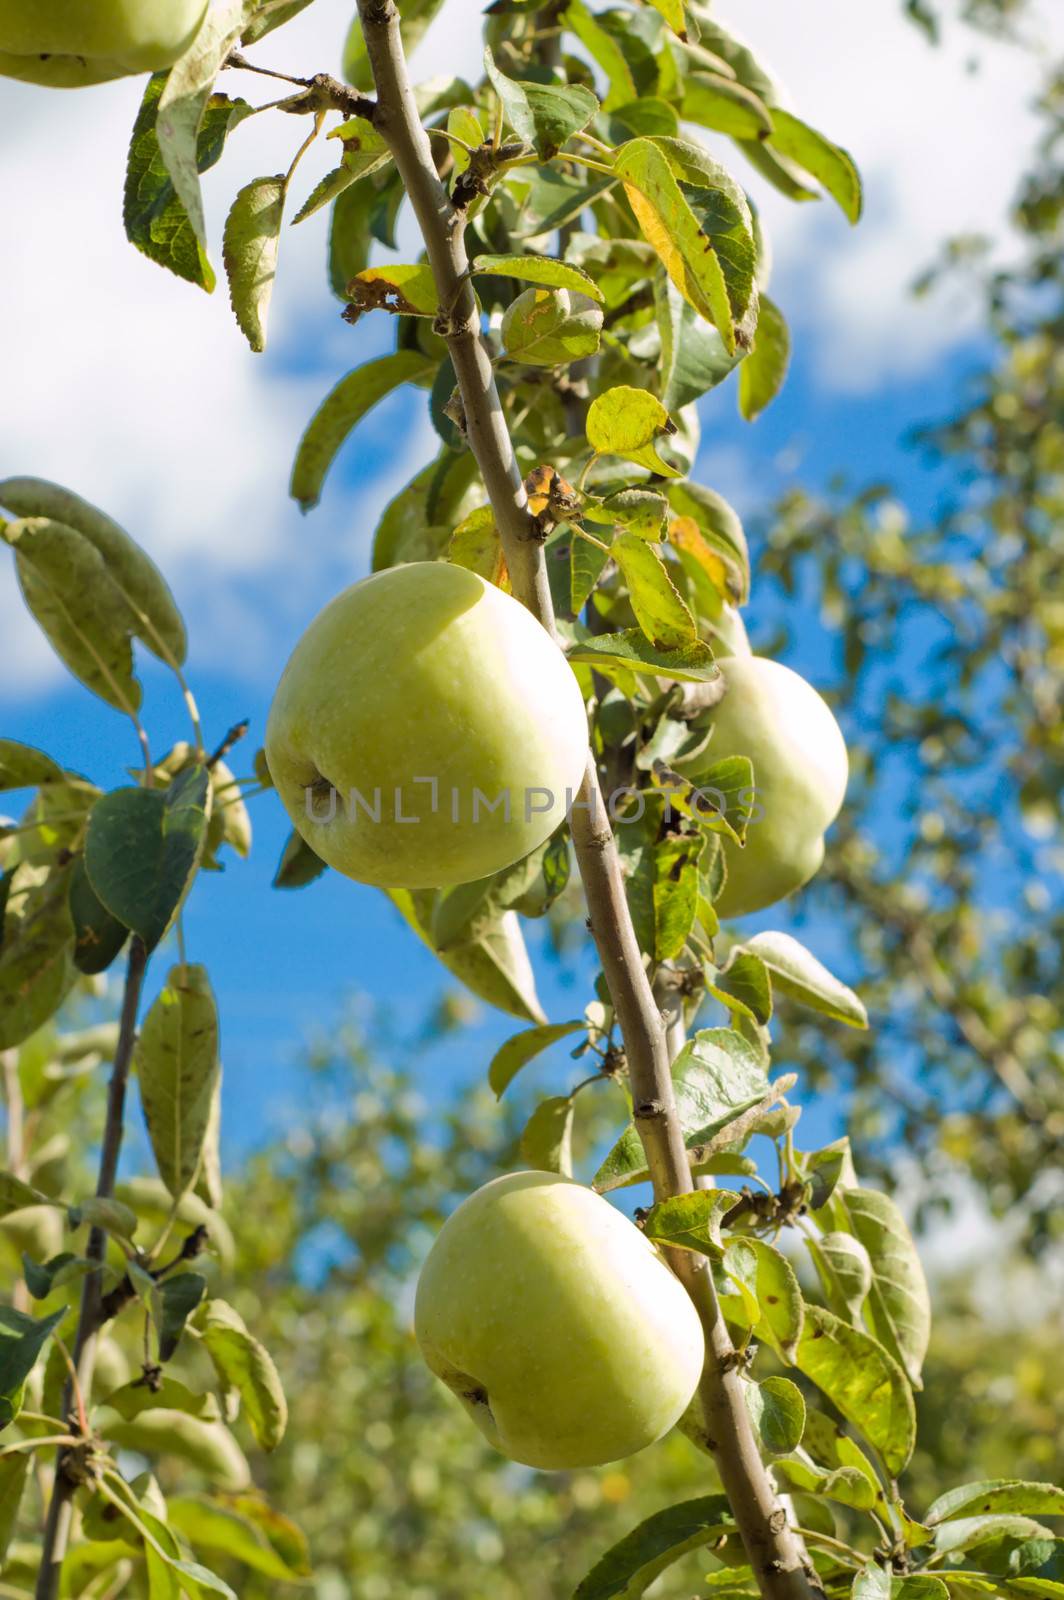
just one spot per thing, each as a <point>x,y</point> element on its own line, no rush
<point>342,408</point>
<point>786,176</point>
<point>675,891</point>
<point>844,1270</point>
<point>545,270</point>
<point>43,1279</point>
<point>876,1583</point>
<point>831,1446</point>
<point>324,193</point>
<point>848,1485</point>
<point>464,123</point>
<point>158,622</point>
<point>603,49</point>
<point>267,17</point>
<point>547,1140</point>
<point>724,105</point>
<point>798,973</point>
<point>626,422</point>
<point>587,562</point>
<point>549,328</point>
<point>744,983</point>
<point>173,1302</point>
<point>693,354</point>
<point>555,198</point>
<point>899,1306</point>
<point>997,1495</point>
<point>779,1297</point>
<point>522,1048</point>
<point>828,163</point>
<point>627,1570</point>
<point>824,1169</point>
<point>777,1410</point>
<point>365,150</point>
<point>716,1077</point>
<point>13,1473</point>
<point>101,1211</point>
<point>633,650</point>
<point>177,1068</point>
<point>21,1340</point>
<point>640,511</point>
<point>243,1364</point>
<point>494,965</point>
<point>98,937</point>
<point>154,215</point>
<point>544,115</point>
<point>15,1195</point>
<point>764,369</point>
<point>23,767</point>
<point>182,104</point>
<point>299,864</point>
<point>350,228</point>
<point>78,606</point>
<point>36,961</point>
<point>690,1221</point>
<point>224,1530</point>
<point>142,850</point>
<point>659,609</point>
<point>249,252</point>
<point>171,1395</point>
<point>668,222</point>
<point>862,1381</point>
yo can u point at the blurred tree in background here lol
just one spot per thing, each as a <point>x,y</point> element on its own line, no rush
<point>945,877</point>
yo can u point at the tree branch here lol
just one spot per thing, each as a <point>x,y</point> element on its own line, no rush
<point>774,1550</point>
<point>90,1316</point>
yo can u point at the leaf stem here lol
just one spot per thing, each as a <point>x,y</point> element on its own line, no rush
<point>61,1505</point>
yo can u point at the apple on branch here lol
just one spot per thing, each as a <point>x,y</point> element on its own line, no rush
<point>427,730</point>
<point>557,1324</point>
<point>69,44</point>
<point>772,716</point>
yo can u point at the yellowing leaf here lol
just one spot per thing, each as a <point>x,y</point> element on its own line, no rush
<point>626,422</point>
<point>669,224</point>
<point>406,289</point>
<point>476,545</point>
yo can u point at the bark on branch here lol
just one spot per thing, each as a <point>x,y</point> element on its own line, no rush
<point>90,1316</point>
<point>775,1552</point>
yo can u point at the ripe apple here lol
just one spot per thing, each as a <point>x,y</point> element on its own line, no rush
<point>67,44</point>
<point>557,1324</point>
<point>426,730</point>
<point>773,716</point>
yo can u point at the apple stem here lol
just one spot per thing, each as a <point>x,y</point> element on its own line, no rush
<point>776,1552</point>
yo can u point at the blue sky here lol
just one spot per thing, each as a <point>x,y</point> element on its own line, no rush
<point>137,391</point>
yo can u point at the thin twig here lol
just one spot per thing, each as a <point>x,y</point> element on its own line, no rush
<point>234,736</point>
<point>61,1506</point>
<point>776,1553</point>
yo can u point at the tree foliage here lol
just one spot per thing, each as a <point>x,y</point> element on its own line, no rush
<point>619,274</point>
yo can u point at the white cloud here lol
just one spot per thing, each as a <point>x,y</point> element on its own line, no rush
<point>137,389</point>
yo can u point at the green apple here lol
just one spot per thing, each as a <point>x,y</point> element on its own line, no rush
<point>773,716</point>
<point>68,44</point>
<point>557,1324</point>
<point>426,730</point>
